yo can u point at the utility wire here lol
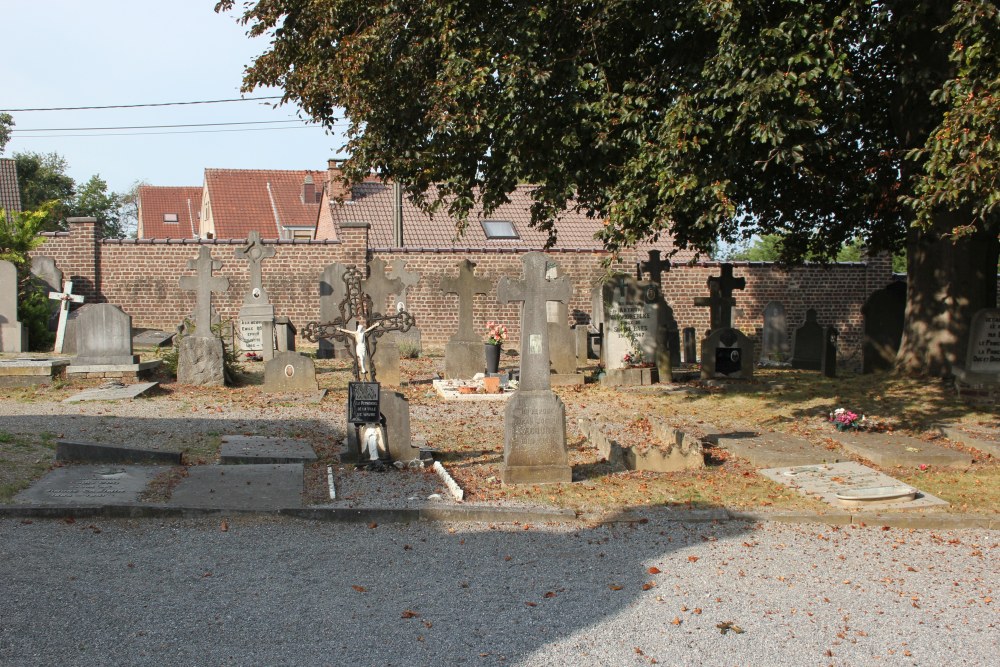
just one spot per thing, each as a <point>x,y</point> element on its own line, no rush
<point>149,127</point>
<point>136,106</point>
<point>141,134</point>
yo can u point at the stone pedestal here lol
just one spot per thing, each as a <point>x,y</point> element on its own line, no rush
<point>290,372</point>
<point>386,362</point>
<point>257,329</point>
<point>463,359</point>
<point>13,337</point>
<point>396,411</point>
<point>200,362</point>
<point>535,439</point>
<point>284,334</point>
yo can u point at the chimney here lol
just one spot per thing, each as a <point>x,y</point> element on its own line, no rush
<point>308,190</point>
<point>397,213</point>
<point>338,189</point>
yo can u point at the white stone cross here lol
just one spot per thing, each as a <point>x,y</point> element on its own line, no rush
<point>64,298</point>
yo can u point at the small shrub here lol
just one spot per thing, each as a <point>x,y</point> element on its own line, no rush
<point>408,349</point>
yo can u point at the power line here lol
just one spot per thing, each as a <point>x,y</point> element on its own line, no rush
<point>142,134</point>
<point>149,127</point>
<point>136,106</point>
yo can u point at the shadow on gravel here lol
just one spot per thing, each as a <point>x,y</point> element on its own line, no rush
<point>283,591</point>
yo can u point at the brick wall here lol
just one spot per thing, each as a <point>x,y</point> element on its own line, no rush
<point>142,278</point>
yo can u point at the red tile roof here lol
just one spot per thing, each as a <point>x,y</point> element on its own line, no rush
<point>155,202</point>
<point>10,194</point>
<point>373,203</point>
<point>245,200</point>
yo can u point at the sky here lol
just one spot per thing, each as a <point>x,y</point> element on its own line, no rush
<point>74,53</point>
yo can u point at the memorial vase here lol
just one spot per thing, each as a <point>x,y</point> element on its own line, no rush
<point>492,358</point>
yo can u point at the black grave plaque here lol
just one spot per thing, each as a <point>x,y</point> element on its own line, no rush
<point>728,360</point>
<point>362,402</point>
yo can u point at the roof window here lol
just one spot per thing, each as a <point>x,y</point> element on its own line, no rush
<point>499,229</point>
<point>170,217</point>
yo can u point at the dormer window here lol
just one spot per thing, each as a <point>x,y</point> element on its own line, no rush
<point>499,229</point>
<point>170,217</point>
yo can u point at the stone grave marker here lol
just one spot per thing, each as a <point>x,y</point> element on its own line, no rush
<point>727,353</point>
<point>774,337</point>
<point>720,299</point>
<point>65,298</point>
<point>636,322</point>
<point>104,337</point>
<point>690,345</point>
<point>464,353</point>
<point>379,287</point>
<point>112,393</point>
<point>46,277</point>
<point>892,450</point>
<point>772,449</point>
<point>534,418</point>
<point>883,329</point>
<point>200,356</point>
<point>13,334</point>
<point>408,279</point>
<point>268,486</point>
<point>90,485</point>
<point>332,291</point>
<point>830,339</point>
<point>256,319</point>
<point>808,344</point>
<point>260,449</point>
<point>562,343</point>
<point>982,357</point>
<point>284,334</point>
<point>655,267</point>
<point>101,452</point>
<point>289,372</point>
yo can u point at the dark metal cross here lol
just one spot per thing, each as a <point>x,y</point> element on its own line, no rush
<point>358,305</point>
<point>655,267</point>
<point>720,299</point>
<point>203,285</point>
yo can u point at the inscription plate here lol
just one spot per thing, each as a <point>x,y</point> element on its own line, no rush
<point>363,402</point>
<point>251,336</point>
<point>984,342</point>
<point>90,485</point>
<point>728,360</point>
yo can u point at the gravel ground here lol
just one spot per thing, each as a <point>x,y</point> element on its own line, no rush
<point>285,592</point>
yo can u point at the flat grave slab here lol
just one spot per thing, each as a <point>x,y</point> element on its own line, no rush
<point>826,481</point>
<point>310,398</point>
<point>772,449</point>
<point>251,487</point>
<point>891,451</point>
<point>95,452</point>
<point>112,393</point>
<point>152,338</point>
<point>241,449</point>
<point>141,367</point>
<point>984,438</point>
<point>27,371</point>
<point>450,390</point>
<point>90,485</point>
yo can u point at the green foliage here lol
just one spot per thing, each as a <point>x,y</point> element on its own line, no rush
<point>6,126</point>
<point>19,234</point>
<point>44,183</point>
<point>93,200</point>
<point>408,349</point>
<point>34,309</point>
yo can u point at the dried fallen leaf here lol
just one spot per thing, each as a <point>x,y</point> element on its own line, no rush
<point>615,587</point>
<point>373,525</point>
<point>224,526</point>
<point>360,589</point>
<point>649,584</point>
<point>692,559</point>
<point>726,626</point>
<point>549,594</point>
<point>676,621</point>
<point>409,613</point>
<point>531,604</point>
<point>654,570</point>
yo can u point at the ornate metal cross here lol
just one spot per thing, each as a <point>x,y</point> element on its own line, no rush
<point>655,267</point>
<point>721,300</point>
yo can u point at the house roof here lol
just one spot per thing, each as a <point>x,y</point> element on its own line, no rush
<point>157,204</point>
<point>10,193</point>
<point>262,200</point>
<point>372,202</point>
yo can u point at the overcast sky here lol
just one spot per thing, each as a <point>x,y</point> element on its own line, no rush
<point>72,53</point>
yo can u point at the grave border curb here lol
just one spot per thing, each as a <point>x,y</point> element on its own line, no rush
<point>511,515</point>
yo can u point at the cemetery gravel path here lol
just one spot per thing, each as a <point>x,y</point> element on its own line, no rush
<point>271,591</point>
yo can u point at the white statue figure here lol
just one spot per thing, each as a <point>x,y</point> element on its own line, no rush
<point>360,345</point>
<point>373,441</point>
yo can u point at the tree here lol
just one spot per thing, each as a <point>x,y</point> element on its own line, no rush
<point>19,234</point>
<point>129,209</point>
<point>817,120</point>
<point>93,200</point>
<point>43,179</point>
<point>6,127</point>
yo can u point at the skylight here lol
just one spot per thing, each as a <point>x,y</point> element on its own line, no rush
<point>499,229</point>
<point>170,217</point>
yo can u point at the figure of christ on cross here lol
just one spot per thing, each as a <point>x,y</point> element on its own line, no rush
<point>360,345</point>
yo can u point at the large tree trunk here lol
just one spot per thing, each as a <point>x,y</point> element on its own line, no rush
<point>947,282</point>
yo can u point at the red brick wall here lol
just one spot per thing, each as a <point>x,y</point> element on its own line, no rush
<point>142,278</point>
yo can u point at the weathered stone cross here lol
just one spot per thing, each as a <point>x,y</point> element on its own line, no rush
<point>204,284</point>
<point>466,285</point>
<point>655,267</point>
<point>255,252</point>
<point>721,298</point>
<point>534,291</point>
<point>64,298</point>
<point>379,287</point>
<point>408,279</point>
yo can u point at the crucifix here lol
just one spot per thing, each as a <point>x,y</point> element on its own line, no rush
<point>255,252</point>
<point>362,341</point>
<point>466,285</point>
<point>64,298</point>
<point>720,299</point>
<point>534,290</point>
<point>203,285</point>
<point>655,267</point>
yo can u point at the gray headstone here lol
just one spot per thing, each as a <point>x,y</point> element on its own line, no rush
<point>204,284</point>
<point>690,345</point>
<point>830,339</point>
<point>396,410</point>
<point>982,357</point>
<point>72,321</point>
<point>284,334</point>
<point>290,372</point>
<point>47,278</point>
<point>409,279</point>
<point>535,418</point>
<point>464,354</point>
<point>13,336</point>
<point>386,361</point>
<point>256,318</point>
<point>379,287</point>
<point>104,337</point>
<point>727,353</point>
<point>636,321</point>
<point>808,344</point>
<point>774,337</point>
<point>255,252</point>
<point>883,312</point>
<point>562,344</point>
<point>200,362</point>
<point>332,291</point>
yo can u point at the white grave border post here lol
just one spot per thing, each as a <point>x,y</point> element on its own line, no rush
<point>64,298</point>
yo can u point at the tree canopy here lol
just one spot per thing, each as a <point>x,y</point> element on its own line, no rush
<point>6,126</point>
<point>821,121</point>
